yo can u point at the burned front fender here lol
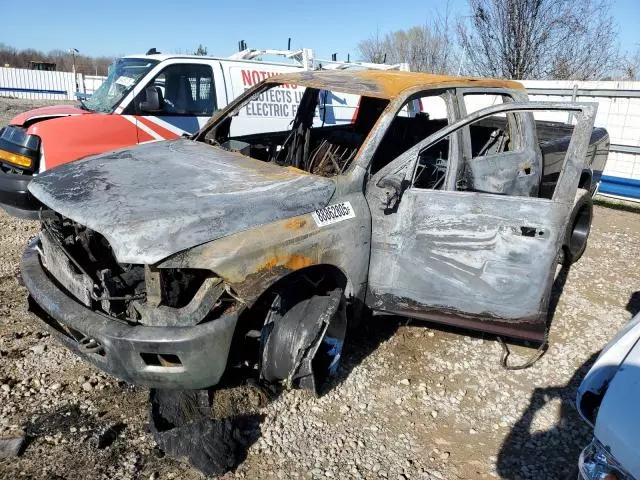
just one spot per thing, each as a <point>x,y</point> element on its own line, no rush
<point>253,260</point>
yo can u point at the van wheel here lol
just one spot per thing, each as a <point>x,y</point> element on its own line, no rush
<point>302,339</point>
<point>579,226</point>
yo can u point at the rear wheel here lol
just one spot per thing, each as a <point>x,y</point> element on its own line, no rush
<point>578,228</point>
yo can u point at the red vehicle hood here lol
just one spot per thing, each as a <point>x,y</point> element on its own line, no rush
<point>47,112</point>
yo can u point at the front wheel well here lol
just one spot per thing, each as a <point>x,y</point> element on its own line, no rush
<point>306,282</point>
<point>318,277</point>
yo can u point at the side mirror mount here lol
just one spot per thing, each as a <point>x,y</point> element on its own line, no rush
<point>151,103</point>
<point>395,186</point>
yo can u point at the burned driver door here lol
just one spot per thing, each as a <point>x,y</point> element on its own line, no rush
<point>461,243</point>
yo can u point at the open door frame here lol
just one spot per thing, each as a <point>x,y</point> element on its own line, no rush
<point>470,258</point>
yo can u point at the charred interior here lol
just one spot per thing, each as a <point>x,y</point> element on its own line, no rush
<point>322,139</point>
<point>82,262</point>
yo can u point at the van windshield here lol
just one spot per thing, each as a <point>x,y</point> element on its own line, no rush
<point>124,73</point>
<point>319,131</point>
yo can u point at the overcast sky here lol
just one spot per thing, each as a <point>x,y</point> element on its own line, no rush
<point>115,27</point>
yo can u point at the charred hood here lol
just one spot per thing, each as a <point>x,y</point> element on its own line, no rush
<point>157,199</point>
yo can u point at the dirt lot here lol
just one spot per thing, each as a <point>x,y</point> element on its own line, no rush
<point>10,107</point>
<point>411,401</point>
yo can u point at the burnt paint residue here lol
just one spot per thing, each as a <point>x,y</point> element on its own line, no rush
<point>165,197</point>
<point>295,223</point>
<point>385,84</point>
<point>290,262</point>
<point>80,182</point>
<point>252,285</point>
<point>250,276</point>
<point>268,271</point>
<point>296,262</point>
<point>527,328</point>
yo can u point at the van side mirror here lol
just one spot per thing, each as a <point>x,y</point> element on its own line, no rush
<point>152,100</point>
<point>395,185</point>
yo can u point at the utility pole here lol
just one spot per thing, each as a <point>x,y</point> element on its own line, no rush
<point>73,52</point>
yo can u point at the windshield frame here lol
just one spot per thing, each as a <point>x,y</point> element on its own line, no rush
<point>232,107</point>
<point>104,103</point>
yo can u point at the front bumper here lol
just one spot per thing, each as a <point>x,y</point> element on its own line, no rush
<point>197,355</point>
<point>15,199</point>
<point>597,462</point>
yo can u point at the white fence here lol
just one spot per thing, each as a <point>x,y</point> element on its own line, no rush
<point>618,112</point>
<point>35,84</point>
<point>43,85</point>
<point>90,83</point>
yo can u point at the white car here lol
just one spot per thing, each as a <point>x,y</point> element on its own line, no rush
<point>608,399</point>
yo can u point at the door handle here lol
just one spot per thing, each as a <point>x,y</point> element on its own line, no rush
<point>527,231</point>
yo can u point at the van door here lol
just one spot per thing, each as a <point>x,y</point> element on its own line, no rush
<point>179,99</point>
<point>473,251</point>
<point>275,110</point>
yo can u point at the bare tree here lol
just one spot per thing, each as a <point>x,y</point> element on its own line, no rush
<point>631,66</point>
<point>539,39</point>
<point>84,64</point>
<point>428,48</point>
<point>372,49</point>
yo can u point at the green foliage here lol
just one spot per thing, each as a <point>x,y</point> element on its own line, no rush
<point>201,50</point>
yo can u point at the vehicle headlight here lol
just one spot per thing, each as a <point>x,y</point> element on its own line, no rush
<point>18,148</point>
<point>596,463</point>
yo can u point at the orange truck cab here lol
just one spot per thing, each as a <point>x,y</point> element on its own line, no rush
<point>144,98</point>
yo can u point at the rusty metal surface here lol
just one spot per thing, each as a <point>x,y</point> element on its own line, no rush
<point>490,256</point>
<point>56,262</point>
<point>525,329</point>
<point>200,305</point>
<point>251,261</point>
<point>160,198</point>
<point>468,253</point>
<point>386,84</point>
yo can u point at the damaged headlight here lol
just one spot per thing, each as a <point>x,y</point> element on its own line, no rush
<point>596,463</point>
<point>182,297</point>
<point>19,149</point>
<point>83,262</point>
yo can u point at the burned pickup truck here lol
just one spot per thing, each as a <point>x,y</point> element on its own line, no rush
<point>397,193</point>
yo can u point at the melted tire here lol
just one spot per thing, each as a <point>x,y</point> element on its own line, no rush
<point>303,339</point>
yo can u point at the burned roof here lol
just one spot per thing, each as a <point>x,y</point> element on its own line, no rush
<point>385,84</point>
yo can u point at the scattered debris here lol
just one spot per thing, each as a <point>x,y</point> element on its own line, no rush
<point>61,419</point>
<point>184,427</point>
<point>105,436</point>
<point>11,447</point>
<point>38,349</point>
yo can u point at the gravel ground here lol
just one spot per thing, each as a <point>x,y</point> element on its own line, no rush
<point>10,107</point>
<point>412,400</point>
